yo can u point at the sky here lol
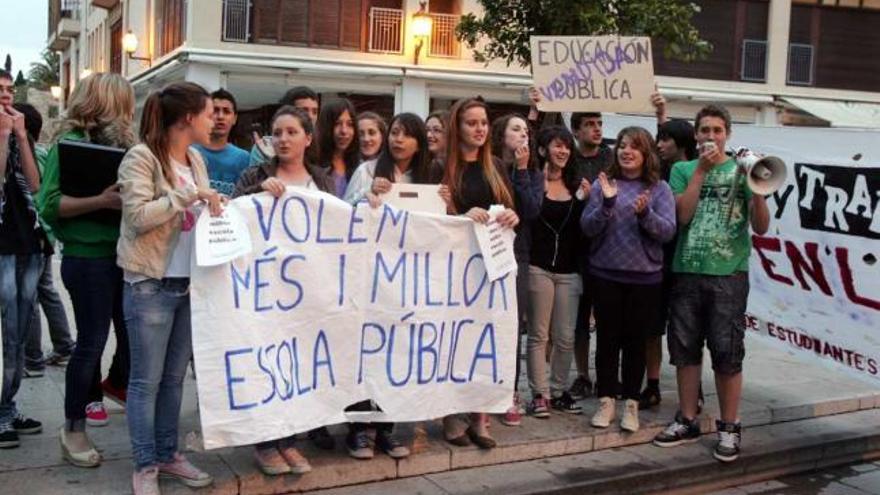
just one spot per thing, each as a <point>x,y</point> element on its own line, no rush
<point>23,34</point>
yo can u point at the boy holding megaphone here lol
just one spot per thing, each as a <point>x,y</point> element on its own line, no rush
<point>714,206</point>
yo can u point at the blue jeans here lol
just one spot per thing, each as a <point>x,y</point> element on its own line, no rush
<point>56,316</point>
<point>19,274</point>
<point>157,315</point>
<point>95,288</point>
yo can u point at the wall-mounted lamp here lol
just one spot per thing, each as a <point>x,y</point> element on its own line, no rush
<point>130,45</point>
<point>421,29</point>
<point>85,73</point>
<point>56,92</point>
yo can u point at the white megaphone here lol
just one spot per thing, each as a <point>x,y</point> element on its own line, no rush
<point>764,174</point>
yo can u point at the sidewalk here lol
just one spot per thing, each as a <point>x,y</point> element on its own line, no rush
<point>778,389</point>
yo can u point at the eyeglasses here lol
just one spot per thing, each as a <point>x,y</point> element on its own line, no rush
<point>7,89</point>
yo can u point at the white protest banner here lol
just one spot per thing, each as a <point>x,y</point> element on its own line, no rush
<point>423,198</point>
<point>593,73</point>
<point>496,244</point>
<point>222,238</point>
<point>815,281</point>
<point>338,304</point>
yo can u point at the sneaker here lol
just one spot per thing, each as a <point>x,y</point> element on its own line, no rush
<point>358,444</point>
<point>513,416</point>
<point>34,372</point>
<point>678,432</point>
<point>271,462</point>
<point>8,437</point>
<point>183,470</point>
<point>581,388</point>
<point>566,403</point>
<point>322,438</point>
<point>540,407</point>
<point>649,398</point>
<point>386,442</point>
<point>605,414</point>
<point>56,359</point>
<point>729,438</point>
<point>295,460</point>
<point>117,395</point>
<point>146,481</point>
<point>630,420</point>
<point>26,426</point>
<point>96,414</point>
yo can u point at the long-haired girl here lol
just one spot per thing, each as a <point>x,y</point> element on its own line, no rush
<point>164,184</point>
<point>100,111</point>
<point>338,144</point>
<point>472,183</point>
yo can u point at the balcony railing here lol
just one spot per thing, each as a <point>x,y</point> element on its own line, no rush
<point>386,30</point>
<point>247,21</point>
<point>62,9</point>
<point>443,40</point>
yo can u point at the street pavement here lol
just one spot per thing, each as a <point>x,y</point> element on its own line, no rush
<point>855,479</point>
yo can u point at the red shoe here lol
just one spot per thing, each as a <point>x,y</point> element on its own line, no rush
<point>96,415</point>
<point>117,395</point>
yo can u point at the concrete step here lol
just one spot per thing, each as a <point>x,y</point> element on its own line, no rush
<point>769,451</point>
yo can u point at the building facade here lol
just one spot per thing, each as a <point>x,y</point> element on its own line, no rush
<point>775,62</point>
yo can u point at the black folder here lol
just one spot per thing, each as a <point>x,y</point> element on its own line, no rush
<point>87,169</point>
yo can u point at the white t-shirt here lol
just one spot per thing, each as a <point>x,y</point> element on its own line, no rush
<point>178,265</point>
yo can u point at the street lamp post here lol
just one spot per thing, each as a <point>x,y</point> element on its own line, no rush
<point>421,29</point>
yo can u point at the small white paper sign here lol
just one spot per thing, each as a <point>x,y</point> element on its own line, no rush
<point>496,245</point>
<point>423,198</point>
<point>221,239</point>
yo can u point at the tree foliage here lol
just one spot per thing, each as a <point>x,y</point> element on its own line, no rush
<point>7,64</point>
<point>44,74</point>
<point>507,25</point>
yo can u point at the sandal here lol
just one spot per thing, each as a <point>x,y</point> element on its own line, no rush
<point>87,459</point>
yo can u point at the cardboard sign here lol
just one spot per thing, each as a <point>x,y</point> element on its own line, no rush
<point>593,73</point>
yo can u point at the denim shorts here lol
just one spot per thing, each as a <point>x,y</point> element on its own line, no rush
<point>708,309</point>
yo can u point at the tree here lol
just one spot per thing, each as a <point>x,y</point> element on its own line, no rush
<point>7,65</point>
<point>507,25</point>
<point>44,74</point>
<point>19,80</point>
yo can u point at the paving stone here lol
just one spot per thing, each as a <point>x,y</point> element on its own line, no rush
<point>504,479</point>
<point>409,486</point>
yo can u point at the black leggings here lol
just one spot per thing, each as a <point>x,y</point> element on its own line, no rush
<point>625,315</point>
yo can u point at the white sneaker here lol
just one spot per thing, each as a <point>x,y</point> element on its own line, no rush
<point>605,415</point>
<point>630,420</point>
<point>146,481</point>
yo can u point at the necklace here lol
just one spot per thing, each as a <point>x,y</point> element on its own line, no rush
<point>558,232</point>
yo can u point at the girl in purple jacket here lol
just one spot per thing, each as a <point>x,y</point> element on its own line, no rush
<point>630,214</point>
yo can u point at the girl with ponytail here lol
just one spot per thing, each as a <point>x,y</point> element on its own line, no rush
<point>164,186</point>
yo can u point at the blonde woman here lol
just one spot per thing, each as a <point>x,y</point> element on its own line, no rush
<point>100,111</point>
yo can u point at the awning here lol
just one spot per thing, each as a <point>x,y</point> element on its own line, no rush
<point>840,113</point>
